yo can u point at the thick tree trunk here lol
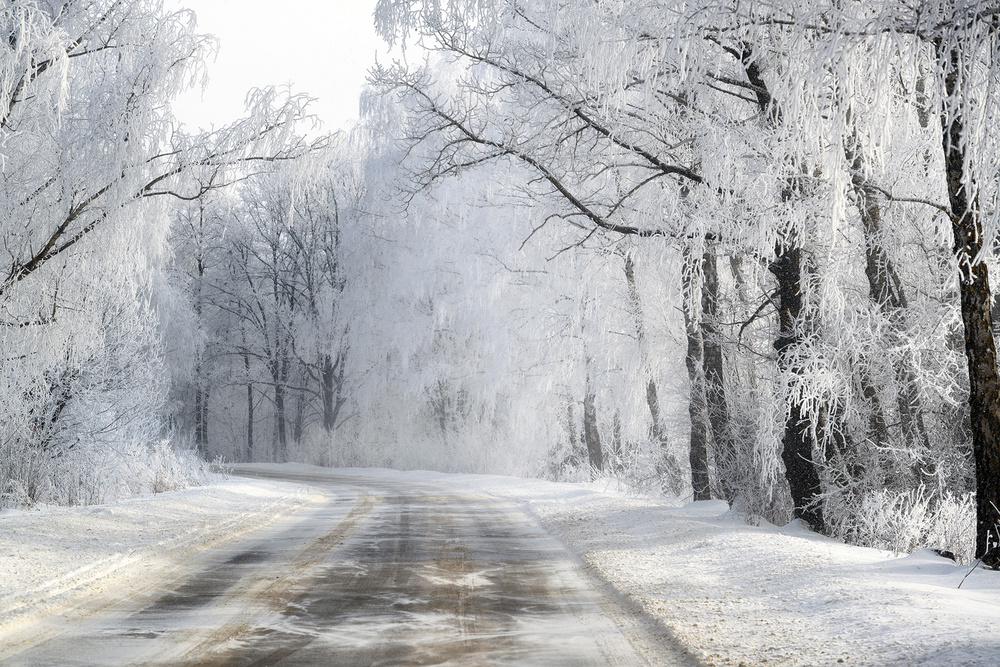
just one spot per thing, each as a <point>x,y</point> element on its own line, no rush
<point>280,421</point>
<point>697,406</point>
<point>281,432</point>
<point>299,422</point>
<point>980,349</point>
<point>797,441</point>
<point>329,373</point>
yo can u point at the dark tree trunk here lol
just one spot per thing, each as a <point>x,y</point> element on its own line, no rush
<point>200,413</point>
<point>246,367</point>
<point>591,435</point>
<point>980,349</point>
<point>697,408</point>
<point>280,425</point>
<point>329,373</point>
<point>333,389</point>
<point>201,390</point>
<point>797,441</point>
<point>715,389</point>
<point>298,424</point>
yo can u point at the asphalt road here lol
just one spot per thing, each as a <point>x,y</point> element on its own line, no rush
<point>380,573</point>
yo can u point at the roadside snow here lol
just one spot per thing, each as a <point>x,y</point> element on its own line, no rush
<point>735,594</point>
<point>54,558</point>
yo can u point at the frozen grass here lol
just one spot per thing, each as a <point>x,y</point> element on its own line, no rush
<point>94,474</point>
<point>905,522</point>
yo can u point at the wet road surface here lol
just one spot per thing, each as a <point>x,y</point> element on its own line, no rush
<point>381,572</point>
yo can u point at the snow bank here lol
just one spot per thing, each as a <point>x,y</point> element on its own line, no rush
<point>735,594</point>
<point>54,558</point>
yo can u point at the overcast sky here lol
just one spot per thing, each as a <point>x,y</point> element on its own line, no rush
<point>322,47</point>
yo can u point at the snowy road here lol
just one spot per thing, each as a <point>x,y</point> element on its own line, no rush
<point>380,572</point>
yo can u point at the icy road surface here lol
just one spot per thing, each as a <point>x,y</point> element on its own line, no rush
<point>379,572</point>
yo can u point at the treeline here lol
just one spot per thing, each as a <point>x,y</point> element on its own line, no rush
<point>823,172</point>
<point>720,251</point>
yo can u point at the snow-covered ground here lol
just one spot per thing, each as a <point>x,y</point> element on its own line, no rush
<point>729,593</point>
<point>734,594</point>
<point>53,559</point>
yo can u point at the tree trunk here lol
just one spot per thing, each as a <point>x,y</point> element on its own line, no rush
<point>200,414</point>
<point>657,430</point>
<point>591,435</point>
<point>796,442</point>
<point>298,423</point>
<point>697,408</point>
<point>329,373</point>
<point>886,290</point>
<point>246,366</point>
<point>980,349</point>
<point>280,426</point>
<point>715,390</point>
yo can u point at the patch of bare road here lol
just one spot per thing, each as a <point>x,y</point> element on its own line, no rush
<point>381,572</point>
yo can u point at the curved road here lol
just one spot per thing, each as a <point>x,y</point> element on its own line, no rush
<point>381,572</point>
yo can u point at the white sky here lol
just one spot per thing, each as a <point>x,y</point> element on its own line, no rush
<point>322,47</point>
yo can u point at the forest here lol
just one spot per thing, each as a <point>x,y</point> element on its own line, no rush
<point>718,250</point>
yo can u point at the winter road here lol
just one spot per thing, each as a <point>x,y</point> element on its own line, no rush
<point>378,573</point>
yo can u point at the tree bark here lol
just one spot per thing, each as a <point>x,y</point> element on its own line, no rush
<point>980,349</point>
<point>329,373</point>
<point>200,413</point>
<point>715,389</point>
<point>886,290</point>
<point>246,367</point>
<point>591,435</point>
<point>697,406</point>
<point>797,441</point>
<point>281,429</point>
<point>299,421</point>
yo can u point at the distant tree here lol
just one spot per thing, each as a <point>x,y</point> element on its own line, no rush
<point>270,304</point>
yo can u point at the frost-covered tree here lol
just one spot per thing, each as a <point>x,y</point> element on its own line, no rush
<point>797,142</point>
<point>263,271</point>
<point>90,156</point>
